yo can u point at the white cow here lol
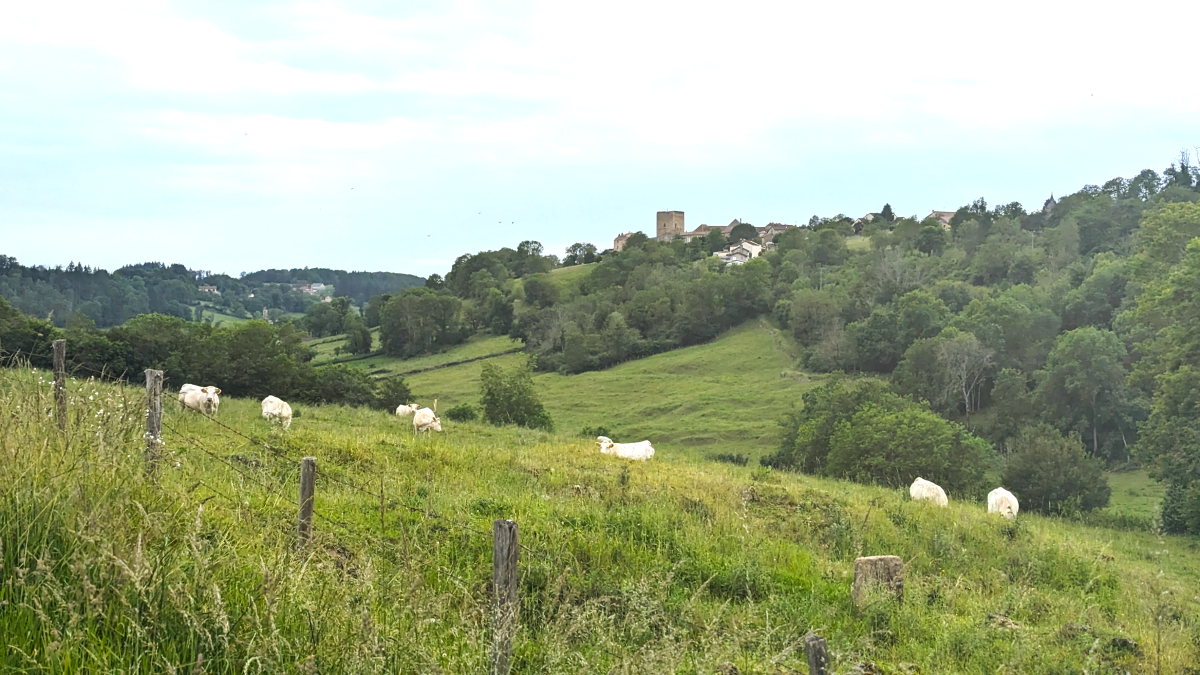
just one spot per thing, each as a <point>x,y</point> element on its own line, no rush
<point>407,409</point>
<point>424,420</point>
<point>203,399</point>
<point>925,491</point>
<point>277,410</point>
<point>1003,502</point>
<point>641,450</point>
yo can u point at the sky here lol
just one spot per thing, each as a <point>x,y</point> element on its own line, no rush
<point>236,136</point>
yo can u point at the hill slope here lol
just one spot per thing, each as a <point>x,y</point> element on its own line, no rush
<point>724,396</point>
<point>667,566</point>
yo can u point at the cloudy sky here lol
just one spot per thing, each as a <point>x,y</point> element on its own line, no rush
<point>234,136</point>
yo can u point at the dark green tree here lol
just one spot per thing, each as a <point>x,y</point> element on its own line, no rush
<point>1052,473</point>
<point>358,336</point>
<point>508,397</point>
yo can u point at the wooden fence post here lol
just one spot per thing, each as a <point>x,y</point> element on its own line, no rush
<point>308,484</point>
<point>817,651</point>
<point>504,582</point>
<point>154,380</point>
<point>60,383</point>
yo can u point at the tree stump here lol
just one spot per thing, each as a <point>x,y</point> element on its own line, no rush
<point>887,570</point>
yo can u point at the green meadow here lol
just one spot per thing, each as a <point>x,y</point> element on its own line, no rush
<point>672,565</point>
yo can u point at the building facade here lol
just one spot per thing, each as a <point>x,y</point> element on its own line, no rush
<point>668,225</point>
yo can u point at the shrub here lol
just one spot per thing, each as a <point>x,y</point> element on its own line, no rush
<point>507,397</point>
<point>593,432</point>
<point>391,393</point>
<point>462,413</point>
<point>860,431</point>
<point>1053,473</point>
<point>730,458</point>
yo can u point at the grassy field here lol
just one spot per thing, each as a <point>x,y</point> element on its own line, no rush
<point>670,566</point>
<point>220,319</point>
<point>1134,493</point>
<point>722,397</point>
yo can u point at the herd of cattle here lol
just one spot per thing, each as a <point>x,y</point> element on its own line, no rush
<point>999,500</point>
<point>207,399</point>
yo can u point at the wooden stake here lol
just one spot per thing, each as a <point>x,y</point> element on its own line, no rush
<point>60,382</point>
<point>504,582</point>
<point>308,484</point>
<point>154,380</point>
<point>817,651</point>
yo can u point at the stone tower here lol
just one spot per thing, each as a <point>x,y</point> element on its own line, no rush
<point>669,225</point>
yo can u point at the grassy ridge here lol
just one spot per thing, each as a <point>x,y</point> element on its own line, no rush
<point>673,565</point>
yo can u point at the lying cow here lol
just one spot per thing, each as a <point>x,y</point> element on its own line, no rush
<point>1003,502</point>
<point>277,411</point>
<point>424,420</point>
<point>202,399</point>
<point>641,450</point>
<point>925,491</point>
<point>407,409</point>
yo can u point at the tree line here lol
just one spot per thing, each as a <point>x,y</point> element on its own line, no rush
<point>79,293</point>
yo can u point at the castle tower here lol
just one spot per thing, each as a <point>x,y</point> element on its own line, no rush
<point>669,225</point>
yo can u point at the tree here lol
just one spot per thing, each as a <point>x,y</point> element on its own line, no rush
<point>886,213</point>
<point>508,396</point>
<point>1082,388</point>
<point>965,361</point>
<point>540,290</point>
<point>743,232</point>
<point>358,336</point>
<point>1012,408</point>
<point>1052,473</point>
<point>420,320</point>
<point>860,431</point>
<point>392,393</point>
<point>812,313</point>
<point>326,318</point>
<point>580,254</point>
<point>374,307</point>
<point>931,240</point>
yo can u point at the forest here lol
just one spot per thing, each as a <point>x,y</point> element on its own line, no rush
<point>79,293</point>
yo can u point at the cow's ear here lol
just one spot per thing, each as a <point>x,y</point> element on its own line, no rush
<point>218,390</point>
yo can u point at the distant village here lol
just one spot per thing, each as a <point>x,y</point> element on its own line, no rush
<point>669,226</point>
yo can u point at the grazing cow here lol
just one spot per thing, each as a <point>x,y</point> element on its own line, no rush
<point>641,450</point>
<point>925,491</point>
<point>407,409</point>
<point>424,420</point>
<point>1003,502</point>
<point>203,399</point>
<point>278,411</point>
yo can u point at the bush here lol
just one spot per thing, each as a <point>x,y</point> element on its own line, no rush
<point>860,431</point>
<point>391,393</point>
<point>593,432</point>
<point>462,413</point>
<point>1052,473</point>
<point>507,397</point>
<point>730,458</point>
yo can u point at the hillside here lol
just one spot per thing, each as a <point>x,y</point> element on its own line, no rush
<point>721,397</point>
<point>673,565</point>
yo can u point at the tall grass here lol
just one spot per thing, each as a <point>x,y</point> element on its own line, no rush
<point>676,565</point>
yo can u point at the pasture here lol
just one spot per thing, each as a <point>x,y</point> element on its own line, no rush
<point>725,396</point>
<point>672,565</point>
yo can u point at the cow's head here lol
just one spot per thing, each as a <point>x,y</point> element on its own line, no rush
<point>210,397</point>
<point>437,424</point>
<point>604,443</point>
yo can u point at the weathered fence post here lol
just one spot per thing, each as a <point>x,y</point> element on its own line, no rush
<point>504,582</point>
<point>878,569</point>
<point>308,484</point>
<point>817,651</point>
<point>60,383</point>
<point>154,380</point>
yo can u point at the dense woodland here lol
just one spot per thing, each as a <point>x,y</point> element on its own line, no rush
<point>81,294</point>
<point>1041,345</point>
